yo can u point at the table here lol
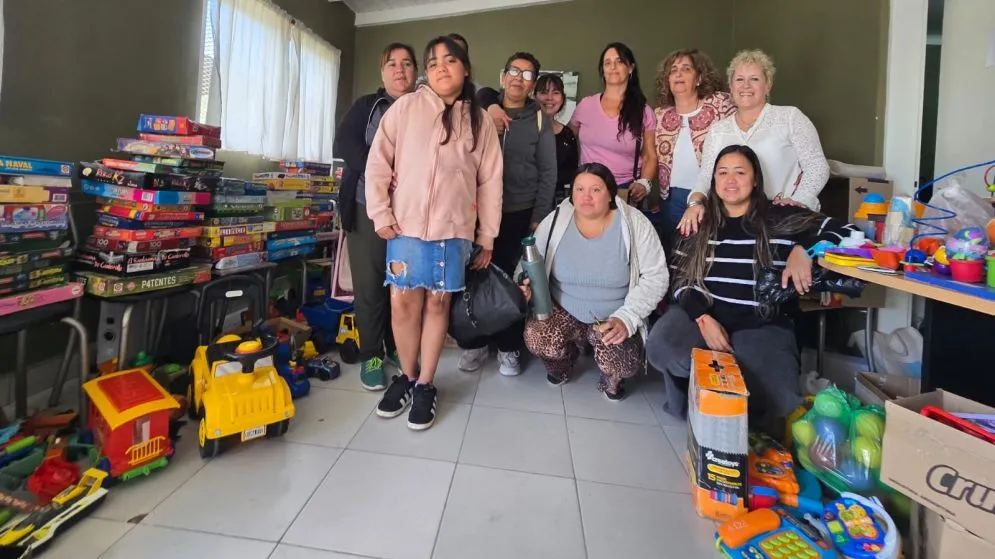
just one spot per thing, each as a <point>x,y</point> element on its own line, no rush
<point>956,331</point>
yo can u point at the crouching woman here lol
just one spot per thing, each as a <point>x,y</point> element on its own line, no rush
<point>607,273</point>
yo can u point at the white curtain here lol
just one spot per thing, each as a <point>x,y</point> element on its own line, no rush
<point>271,84</point>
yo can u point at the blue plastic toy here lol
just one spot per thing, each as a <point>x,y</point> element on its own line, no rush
<point>771,534</point>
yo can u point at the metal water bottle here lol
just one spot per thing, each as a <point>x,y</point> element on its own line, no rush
<point>535,269</point>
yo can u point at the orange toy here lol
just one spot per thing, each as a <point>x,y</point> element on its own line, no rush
<point>772,466</point>
<point>717,435</point>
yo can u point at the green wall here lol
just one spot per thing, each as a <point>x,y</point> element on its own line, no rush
<point>834,78</point>
<point>77,73</point>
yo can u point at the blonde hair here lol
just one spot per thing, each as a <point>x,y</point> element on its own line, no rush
<point>753,56</point>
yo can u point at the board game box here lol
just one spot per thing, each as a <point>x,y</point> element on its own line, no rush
<point>213,168</point>
<point>20,285</point>
<point>214,175</point>
<point>27,166</point>
<point>137,247</point>
<point>233,220</point>
<point>145,207</point>
<point>104,285</point>
<point>240,261</point>
<point>142,195</point>
<point>12,194</point>
<point>49,296</point>
<point>283,254</point>
<point>134,224</point>
<point>156,215</point>
<point>32,240</point>
<point>248,229</point>
<point>278,244</point>
<point>208,141</point>
<point>307,167</point>
<point>163,149</point>
<point>212,254</point>
<point>177,125</point>
<point>286,213</point>
<point>21,262</point>
<point>147,234</point>
<point>239,187</point>
<point>122,264</point>
<point>37,180</point>
<point>138,179</point>
<point>33,217</point>
<point>231,240</point>
<point>278,226</point>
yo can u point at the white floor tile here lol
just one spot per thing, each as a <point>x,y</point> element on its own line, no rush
<point>330,417</point>
<point>284,551</point>
<point>348,376</point>
<point>154,542</point>
<point>351,511</point>
<point>517,440</point>
<point>624,454</point>
<point>499,514</point>
<point>140,495</point>
<point>455,386</point>
<point>678,437</point>
<point>392,436</point>
<point>253,491</point>
<point>581,398</point>
<point>640,524</point>
<point>88,539</point>
<point>654,391</point>
<point>526,392</point>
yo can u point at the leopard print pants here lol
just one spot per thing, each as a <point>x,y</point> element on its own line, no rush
<point>557,342</point>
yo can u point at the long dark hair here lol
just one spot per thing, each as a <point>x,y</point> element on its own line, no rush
<point>634,103</point>
<point>467,93</point>
<point>757,222</point>
<point>603,173</point>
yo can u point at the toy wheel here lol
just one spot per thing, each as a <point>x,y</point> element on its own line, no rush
<point>209,448</point>
<point>274,430</point>
<point>349,352</point>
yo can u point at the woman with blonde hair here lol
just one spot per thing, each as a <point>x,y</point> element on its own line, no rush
<point>690,100</point>
<point>785,140</point>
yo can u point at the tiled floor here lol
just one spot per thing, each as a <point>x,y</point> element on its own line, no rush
<point>513,468</point>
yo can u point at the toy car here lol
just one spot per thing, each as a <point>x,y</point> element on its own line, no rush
<point>333,322</point>
<point>324,369</point>
<point>237,393</point>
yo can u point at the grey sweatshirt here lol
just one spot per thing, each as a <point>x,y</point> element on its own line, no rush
<point>529,162</point>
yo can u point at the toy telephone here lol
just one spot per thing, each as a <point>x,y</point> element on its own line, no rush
<point>771,534</point>
<point>860,528</point>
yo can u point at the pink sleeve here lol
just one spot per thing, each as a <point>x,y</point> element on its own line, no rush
<point>380,170</point>
<point>580,112</point>
<point>649,119</point>
<point>490,185</point>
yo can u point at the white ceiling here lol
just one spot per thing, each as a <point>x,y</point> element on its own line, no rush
<point>380,12</point>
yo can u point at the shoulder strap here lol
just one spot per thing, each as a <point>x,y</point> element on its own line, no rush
<point>549,238</point>
<point>635,160</point>
<point>539,120</point>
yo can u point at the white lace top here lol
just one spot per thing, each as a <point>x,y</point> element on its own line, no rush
<point>788,146</point>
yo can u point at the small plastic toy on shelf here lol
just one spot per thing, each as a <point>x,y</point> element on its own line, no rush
<point>237,393</point>
<point>129,417</point>
<point>771,534</point>
<point>31,535</point>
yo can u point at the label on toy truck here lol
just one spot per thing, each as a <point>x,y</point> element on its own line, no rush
<point>254,433</point>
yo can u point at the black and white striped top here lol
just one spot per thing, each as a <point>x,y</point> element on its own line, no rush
<point>730,280</point>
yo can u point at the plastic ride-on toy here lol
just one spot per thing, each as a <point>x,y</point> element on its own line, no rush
<point>237,393</point>
<point>333,321</point>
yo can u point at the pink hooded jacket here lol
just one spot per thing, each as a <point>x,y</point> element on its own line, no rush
<point>441,191</point>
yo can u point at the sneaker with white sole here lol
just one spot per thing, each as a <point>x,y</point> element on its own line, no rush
<point>422,414</point>
<point>471,359</point>
<point>397,397</point>
<point>508,363</point>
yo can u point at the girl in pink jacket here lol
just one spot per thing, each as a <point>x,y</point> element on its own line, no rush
<point>433,188</point>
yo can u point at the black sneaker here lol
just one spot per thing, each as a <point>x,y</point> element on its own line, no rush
<point>554,380</point>
<point>396,398</point>
<point>617,396</point>
<point>422,414</point>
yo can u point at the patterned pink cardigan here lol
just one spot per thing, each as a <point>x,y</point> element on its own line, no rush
<point>714,108</point>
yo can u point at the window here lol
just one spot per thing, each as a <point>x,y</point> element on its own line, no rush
<point>268,81</point>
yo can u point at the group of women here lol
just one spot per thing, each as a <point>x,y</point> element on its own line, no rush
<point>447,177</point>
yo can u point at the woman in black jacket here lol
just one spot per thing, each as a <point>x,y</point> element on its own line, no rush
<point>367,251</point>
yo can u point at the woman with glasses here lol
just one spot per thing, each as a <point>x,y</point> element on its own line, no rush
<point>529,150</point>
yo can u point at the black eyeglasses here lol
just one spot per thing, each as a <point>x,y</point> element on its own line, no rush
<point>527,75</point>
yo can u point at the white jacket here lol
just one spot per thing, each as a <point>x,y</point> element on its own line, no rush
<point>648,274</point>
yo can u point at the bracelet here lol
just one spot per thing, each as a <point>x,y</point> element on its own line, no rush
<point>644,182</point>
<point>694,203</point>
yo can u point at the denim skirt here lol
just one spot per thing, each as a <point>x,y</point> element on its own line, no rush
<point>437,266</point>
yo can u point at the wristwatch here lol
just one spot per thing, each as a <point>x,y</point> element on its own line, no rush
<point>645,182</point>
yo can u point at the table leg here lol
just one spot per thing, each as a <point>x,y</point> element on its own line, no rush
<point>21,376</point>
<point>303,281</point>
<point>157,337</point>
<point>820,351</point>
<point>955,351</point>
<point>77,328</point>
<point>869,339</point>
<point>122,348</point>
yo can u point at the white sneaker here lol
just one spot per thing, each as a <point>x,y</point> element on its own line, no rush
<point>471,359</point>
<point>508,362</point>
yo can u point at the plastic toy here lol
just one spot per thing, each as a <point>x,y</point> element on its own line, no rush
<point>287,365</point>
<point>52,477</point>
<point>771,534</point>
<point>859,528</point>
<point>839,441</point>
<point>237,392</point>
<point>129,417</point>
<point>333,322</point>
<point>970,243</point>
<point>772,478</point>
<point>323,369</point>
<point>30,536</point>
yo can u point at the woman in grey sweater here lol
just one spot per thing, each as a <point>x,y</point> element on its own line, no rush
<point>607,273</point>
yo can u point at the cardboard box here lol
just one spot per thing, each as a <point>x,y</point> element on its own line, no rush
<point>876,388</point>
<point>717,435</point>
<point>842,196</point>
<point>943,539</point>
<point>943,469</point>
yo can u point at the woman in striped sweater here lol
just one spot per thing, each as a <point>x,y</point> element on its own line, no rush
<point>715,272</point>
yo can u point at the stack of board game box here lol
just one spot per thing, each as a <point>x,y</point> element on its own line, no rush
<point>325,181</point>
<point>35,244</point>
<point>150,208</point>
<point>287,214</point>
<point>233,238</point>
